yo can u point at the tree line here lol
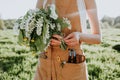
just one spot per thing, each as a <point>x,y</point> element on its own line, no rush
<point>105,22</point>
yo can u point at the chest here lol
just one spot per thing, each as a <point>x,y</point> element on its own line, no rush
<point>65,7</point>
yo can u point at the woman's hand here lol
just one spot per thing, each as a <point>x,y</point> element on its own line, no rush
<point>72,39</point>
<point>56,40</point>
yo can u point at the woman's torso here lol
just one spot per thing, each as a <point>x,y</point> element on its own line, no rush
<point>56,55</point>
<point>68,8</point>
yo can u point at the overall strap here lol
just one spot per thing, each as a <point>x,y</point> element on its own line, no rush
<point>82,13</point>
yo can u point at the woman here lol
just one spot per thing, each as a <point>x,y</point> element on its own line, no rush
<point>51,67</point>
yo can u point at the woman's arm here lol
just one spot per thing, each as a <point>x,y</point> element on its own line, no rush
<point>39,5</point>
<point>95,37</point>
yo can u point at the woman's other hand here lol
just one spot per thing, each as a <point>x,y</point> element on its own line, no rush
<point>72,39</point>
<point>56,40</point>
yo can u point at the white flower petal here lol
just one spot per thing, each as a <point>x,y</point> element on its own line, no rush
<point>53,14</point>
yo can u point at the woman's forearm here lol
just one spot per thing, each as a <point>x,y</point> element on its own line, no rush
<point>90,38</point>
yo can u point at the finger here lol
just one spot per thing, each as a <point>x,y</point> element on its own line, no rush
<point>72,44</point>
<point>70,40</point>
<point>55,44</point>
<point>69,36</point>
<point>55,41</point>
<point>57,36</point>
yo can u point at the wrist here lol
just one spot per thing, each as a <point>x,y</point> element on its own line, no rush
<point>78,35</point>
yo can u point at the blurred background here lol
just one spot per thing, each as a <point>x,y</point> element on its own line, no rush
<point>16,62</point>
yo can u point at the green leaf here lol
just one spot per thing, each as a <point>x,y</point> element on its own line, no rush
<point>20,37</point>
<point>39,44</point>
<point>63,46</point>
<point>63,25</point>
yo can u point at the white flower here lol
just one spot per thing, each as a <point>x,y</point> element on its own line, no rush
<point>69,27</point>
<point>47,32</point>
<point>68,22</point>
<point>59,27</point>
<point>46,35</point>
<point>22,25</point>
<point>31,12</point>
<point>31,27</point>
<point>39,30</point>
<point>52,26</point>
<point>39,26</point>
<point>53,13</point>
<point>27,23</point>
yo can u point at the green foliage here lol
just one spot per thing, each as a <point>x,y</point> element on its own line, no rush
<point>9,23</point>
<point>103,60</point>
<point>1,24</point>
<point>109,22</point>
<point>117,47</point>
<point>17,63</point>
<point>106,22</point>
<point>36,27</point>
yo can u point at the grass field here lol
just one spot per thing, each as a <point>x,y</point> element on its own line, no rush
<point>17,63</point>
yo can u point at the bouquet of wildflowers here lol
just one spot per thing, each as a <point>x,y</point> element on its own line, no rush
<point>37,26</point>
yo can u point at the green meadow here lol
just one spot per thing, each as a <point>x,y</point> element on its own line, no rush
<point>103,60</point>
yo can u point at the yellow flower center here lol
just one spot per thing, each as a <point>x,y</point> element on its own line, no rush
<point>32,40</point>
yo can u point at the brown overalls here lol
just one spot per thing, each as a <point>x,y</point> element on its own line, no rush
<point>50,68</point>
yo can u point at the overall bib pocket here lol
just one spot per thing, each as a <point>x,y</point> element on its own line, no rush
<point>73,71</point>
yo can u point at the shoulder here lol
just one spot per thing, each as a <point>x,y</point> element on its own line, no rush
<point>90,4</point>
